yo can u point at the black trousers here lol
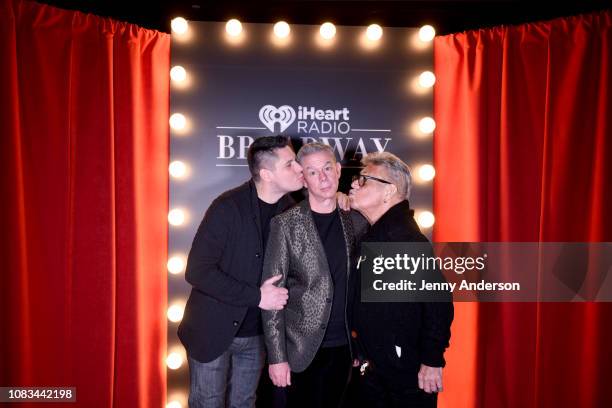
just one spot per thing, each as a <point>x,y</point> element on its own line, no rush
<point>374,392</point>
<point>323,383</point>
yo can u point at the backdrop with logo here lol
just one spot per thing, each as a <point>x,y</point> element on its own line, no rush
<point>352,93</point>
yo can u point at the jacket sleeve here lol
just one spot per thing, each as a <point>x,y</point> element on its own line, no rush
<point>204,272</point>
<point>276,262</point>
<point>437,319</point>
<point>360,224</point>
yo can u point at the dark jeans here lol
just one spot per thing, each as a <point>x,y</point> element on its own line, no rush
<point>374,392</point>
<point>233,376</point>
<point>323,383</point>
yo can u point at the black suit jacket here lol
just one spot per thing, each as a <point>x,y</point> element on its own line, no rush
<point>419,330</point>
<point>224,269</point>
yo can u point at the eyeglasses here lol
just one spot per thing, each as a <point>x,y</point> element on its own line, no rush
<point>362,178</point>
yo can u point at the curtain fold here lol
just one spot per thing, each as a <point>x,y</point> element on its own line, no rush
<point>83,156</point>
<point>523,132</point>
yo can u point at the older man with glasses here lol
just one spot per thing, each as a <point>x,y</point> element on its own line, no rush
<point>400,345</point>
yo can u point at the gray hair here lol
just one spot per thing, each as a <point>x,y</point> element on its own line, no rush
<point>396,168</point>
<point>314,147</point>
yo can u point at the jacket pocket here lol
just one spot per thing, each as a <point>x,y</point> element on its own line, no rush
<point>398,353</point>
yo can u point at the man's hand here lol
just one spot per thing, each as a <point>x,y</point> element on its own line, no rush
<point>280,374</point>
<point>273,297</point>
<point>430,379</point>
<point>343,201</point>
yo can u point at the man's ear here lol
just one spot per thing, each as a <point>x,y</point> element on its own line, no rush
<point>392,190</point>
<point>265,174</point>
<point>339,169</point>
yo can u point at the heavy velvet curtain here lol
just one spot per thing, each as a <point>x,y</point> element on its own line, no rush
<point>522,153</point>
<point>83,170</point>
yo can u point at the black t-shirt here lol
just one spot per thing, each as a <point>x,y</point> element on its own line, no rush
<point>266,211</point>
<point>251,325</point>
<point>332,237</point>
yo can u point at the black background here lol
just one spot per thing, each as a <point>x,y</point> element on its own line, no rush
<point>446,16</point>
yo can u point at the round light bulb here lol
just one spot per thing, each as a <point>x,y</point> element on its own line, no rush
<point>233,27</point>
<point>178,73</point>
<point>179,25</point>
<point>281,29</point>
<point>175,313</point>
<point>176,217</point>
<point>374,32</point>
<point>177,169</point>
<point>176,264</point>
<point>427,172</point>
<point>177,121</point>
<point>427,33</point>
<point>426,219</point>
<point>174,361</point>
<point>427,125</point>
<point>427,79</point>
<point>174,404</point>
<point>327,30</point>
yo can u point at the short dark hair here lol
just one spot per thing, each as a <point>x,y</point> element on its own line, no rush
<point>262,150</point>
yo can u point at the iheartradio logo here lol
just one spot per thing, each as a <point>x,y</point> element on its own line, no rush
<point>270,115</point>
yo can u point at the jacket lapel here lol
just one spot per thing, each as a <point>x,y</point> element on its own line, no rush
<point>255,212</point>
<point>349,236</point>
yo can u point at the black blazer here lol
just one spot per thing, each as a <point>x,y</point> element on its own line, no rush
<point>224,268</point>
<point>420,330</point>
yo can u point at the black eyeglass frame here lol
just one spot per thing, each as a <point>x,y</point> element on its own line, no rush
<point>362,178</point>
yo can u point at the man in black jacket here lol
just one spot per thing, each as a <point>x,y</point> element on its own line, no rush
<point>401,345</point>
<point>221,328</point>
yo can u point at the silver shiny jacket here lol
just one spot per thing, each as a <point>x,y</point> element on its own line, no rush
<point>295,251</point>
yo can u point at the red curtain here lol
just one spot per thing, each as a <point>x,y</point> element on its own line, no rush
<point>522,153</point>
<point>83,170</point>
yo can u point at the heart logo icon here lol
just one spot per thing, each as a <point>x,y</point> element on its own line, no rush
<point>270,115</point>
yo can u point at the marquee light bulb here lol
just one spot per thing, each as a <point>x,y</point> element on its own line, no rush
<point>174,404</point>
<point>174,361</point>
<point>177,121</point>
<point>427,79</point>
<point>427,33</point>
<point>374,32</point>
<point>427,125</point>
<point>233,27</point>
<point>178,73</point>
<point>176,217</point>
<point>282,29</point>
<point>175,313</point>
<point>179,25</point>
<point>427,172</point>
<point>177,169</point>
<point>327,30</point>
<point>426,219</point>
<point>176,264</point>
